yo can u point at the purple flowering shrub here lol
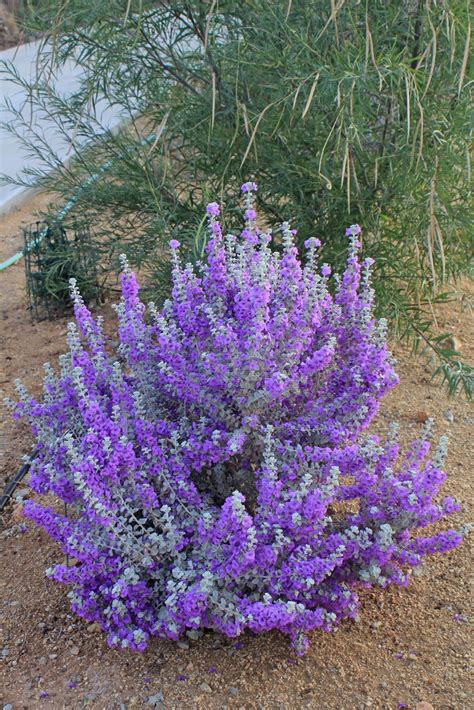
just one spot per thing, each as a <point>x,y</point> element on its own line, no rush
<point>214,470</point>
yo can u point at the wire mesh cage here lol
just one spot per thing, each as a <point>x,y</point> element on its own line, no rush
<point>55,253</point>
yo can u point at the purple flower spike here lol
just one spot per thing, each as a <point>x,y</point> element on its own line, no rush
<point>181,677</point>
<point>249,187</point>
<point>174,244</point>
<point>353,230</point>
<point>250,214</point>
<point>312,243</point>
<point>213,209</point>
<point>250,237</point>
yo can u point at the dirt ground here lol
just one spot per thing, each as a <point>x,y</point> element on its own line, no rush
<point>410,648</point>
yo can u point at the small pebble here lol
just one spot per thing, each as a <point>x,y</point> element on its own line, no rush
<point>156,701</point>
<point>8,706</point>
<point>194,634</point>
<point>17,512</point>
<point>448,415</point>
<point>424,706</point>
<point>205,687</point>
<point>233,691</point>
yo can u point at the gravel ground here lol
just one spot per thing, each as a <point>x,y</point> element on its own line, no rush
<point>410,648</point>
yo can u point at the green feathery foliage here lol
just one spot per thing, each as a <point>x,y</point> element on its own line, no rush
<point>348,112</point>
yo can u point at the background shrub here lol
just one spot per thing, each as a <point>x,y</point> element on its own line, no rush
<point>215,474</point>
<point>348,112</point>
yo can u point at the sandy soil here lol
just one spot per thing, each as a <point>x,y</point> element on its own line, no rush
<point>410,649</point>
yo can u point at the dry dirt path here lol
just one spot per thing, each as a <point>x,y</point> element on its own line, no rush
<point>410,645</point>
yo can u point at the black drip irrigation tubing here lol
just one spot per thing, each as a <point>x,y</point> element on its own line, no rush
<point>12,485</point>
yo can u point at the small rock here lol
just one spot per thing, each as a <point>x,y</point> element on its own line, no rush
<point>453,343</point>
<point>42,661</point>
<point>421,416</point>
<point>22,493</point>
<point>424,706</point>
<point>194,634</point>
<point>52,656</point>
<point>8,706</point>
<point>5,652</point>
<point>383,684</point>
<point>183,644</point>
<point>156,701</point>
<point>205,687</point>
<point>17,513</point>
<point>448,415</point>
<point>75,651</point>
<point>92,628</point>
<point>233,691</point>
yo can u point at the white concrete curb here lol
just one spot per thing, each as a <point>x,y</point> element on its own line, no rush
<point>12,153</point>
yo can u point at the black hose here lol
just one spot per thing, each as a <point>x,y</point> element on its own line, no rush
<point>11,485</point>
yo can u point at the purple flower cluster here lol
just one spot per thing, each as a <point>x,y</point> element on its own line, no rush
<point>214,469</point>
